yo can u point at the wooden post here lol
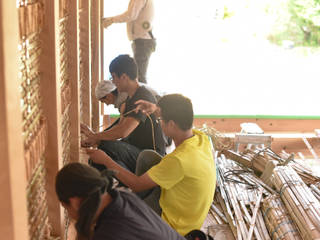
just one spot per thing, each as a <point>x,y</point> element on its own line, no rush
<point>97,10</point>
<point>51,96</point>
<point>85,45</point>
<point>74,56</point>
<point>13,221</point>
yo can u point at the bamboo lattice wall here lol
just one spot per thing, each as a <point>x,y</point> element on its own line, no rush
<point>54,69</point>
<point>34,124</point>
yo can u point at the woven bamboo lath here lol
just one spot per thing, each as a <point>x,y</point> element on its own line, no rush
<point>34,124</point>
<point>36,149</point>
<point>63,8</point>
<point>31,15</point>
<point>277,219</point>
<point>65,88</point>
<point>65,91</point>
<point>39,227</point>
<point>302,205</point>
<point>30,51</point>
<point>81,70</point>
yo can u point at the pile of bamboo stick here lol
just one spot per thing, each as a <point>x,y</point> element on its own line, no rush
<point>254,210</point>
<point>302,205</point>
<point>315,188</point>
<point>240,198</point>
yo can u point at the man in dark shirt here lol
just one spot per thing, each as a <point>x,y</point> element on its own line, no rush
<point>136,130</point>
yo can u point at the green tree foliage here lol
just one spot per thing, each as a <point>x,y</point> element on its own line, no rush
<point>306,14</point>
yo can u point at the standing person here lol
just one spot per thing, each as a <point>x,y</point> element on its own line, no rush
<point>139,18</point>
<point>105,213</point>
<point>136,131</point>
<point>186,177</point>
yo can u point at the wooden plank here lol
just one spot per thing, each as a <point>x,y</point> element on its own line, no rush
<point>74,74</point>
<point>50,90</point>
<point>13,220</point>
<point>97,13</point>
<point>268,125</point>
<point>253,139</point>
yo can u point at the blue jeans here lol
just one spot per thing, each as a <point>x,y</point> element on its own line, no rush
<point>121,152</point>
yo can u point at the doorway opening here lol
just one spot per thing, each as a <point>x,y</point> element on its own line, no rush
<point>229,57</point>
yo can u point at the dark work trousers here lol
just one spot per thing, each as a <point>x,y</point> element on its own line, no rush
<point>121,152</point>
<point>142,49</point>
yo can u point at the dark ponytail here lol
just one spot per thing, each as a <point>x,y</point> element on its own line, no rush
<point>85,182</point>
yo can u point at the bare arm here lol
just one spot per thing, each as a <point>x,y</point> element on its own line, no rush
<point>136,183</point>
<point>121,130</point>
<point>131,14</point>
<point>147,107</point>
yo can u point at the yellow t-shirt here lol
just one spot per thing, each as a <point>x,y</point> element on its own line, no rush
<point>187,178</point>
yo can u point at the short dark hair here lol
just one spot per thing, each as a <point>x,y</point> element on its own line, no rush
<point>83,181</point>
<point>124,64</point>
<point>192,235</point>
<point>177,108</point>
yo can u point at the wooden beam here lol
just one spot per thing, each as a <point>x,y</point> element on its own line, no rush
<point>51,103</point>
<point>74,77</point>
<point>13,220</point>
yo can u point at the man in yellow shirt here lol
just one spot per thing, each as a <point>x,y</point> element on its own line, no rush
<point>186,177</point>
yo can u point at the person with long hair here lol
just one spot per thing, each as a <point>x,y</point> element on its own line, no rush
<point>102,212</point>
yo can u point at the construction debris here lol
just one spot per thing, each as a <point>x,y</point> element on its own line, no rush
<point>262,195</point>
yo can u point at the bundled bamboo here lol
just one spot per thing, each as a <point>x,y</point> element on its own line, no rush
<point>278,222</point>
<point>302,205</point>
<point>258,159</point>
<point>306,174</point>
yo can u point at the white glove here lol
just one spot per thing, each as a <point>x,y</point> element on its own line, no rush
<point>106,22</point>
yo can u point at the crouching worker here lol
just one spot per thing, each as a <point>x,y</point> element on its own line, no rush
<point>185,179</point>
<point>135,131</point>
<point>104,213</point>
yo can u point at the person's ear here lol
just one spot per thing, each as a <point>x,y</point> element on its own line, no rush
<point>75,202</point>
<point>124,76</point>
<point>172,124</point>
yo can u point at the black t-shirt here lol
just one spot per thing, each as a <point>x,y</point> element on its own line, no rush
<point>141,137</point>
<point>128,218</point>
